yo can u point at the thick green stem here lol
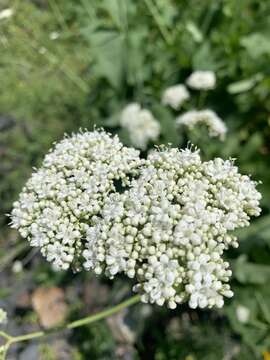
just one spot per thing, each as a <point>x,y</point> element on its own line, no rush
<point>5,336</point>
<point>74,324</point>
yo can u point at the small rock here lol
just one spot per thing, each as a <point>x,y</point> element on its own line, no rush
<point>50,306</point>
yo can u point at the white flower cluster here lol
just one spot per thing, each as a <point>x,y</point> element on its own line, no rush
<point>175,96</point>
<point>170,229</point>
<point>140,124</point>
<point>164,221</point>
<point>242,314</point>
<point>3,316</point>
<point>62,198</point>
<point>6,13</point>
<point>216,127</point>
<point>202,80</point>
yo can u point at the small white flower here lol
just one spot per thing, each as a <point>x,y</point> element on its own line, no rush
<point>3,316</point>
<point>42,50</point>
<point>17,267</point>
<point>242,314</point>
<point>140,124</point>
<point>6,13</point>
<point>216,127</point>
<point>202,80</point>
<point>175,96</point>
<point>54,35</point>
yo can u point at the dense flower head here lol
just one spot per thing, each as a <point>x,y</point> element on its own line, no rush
<point>170,229</point>
<point>61,199</point>
<point>165,222</point>
<point>216,127</point>
<point>175,96</point>
<point>141,125</point>
<point>202,80</point>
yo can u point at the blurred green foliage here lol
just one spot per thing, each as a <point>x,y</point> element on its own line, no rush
<point>71,64</point>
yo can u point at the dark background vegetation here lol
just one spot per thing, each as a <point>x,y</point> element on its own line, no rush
<point>108,53</point>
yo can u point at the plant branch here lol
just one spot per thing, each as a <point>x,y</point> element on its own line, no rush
<point>105,313</point>
<point>72,325</point>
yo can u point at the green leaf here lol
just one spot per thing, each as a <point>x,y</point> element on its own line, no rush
<point>250,273</point>
<point>256,44</point>
<point>257,228</point>
<point>204,59</point>
<point>113,7</point>
<point>169,132</point>
<point>138,70</point>
<point>244,85</point>
<point>108,52</point>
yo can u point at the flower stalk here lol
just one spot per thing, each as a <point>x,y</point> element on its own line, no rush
<point>72,325</point>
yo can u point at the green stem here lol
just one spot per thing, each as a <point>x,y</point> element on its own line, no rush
<point>27,337</point>
<point>105,313</point>
<point>159,21</point>
<point>58,15</point>
<point>74,324</point>
<point>5,336</point>
<point>201,99</point>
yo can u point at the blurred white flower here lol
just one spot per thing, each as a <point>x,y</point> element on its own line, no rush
<point>54,35</point>
<point>3,316</point>
<point>42,50</point>
<point>6,13</point>
<point>242,313</point>
<point>216,127</point>
<point>17,266</point>
<point>175,96</point>
<point>202,80</point>
<point>141,125</point>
